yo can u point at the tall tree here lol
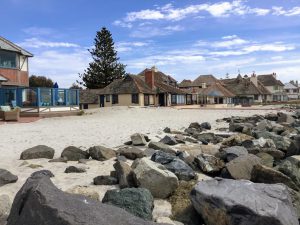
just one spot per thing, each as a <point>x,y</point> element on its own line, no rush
<point>40,81</point>
<point>105,67</point>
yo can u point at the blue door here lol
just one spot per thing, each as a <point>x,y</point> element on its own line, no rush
<point>102,97</point>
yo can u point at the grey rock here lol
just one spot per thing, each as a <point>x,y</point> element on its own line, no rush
<point>137,201</point>
<point>271,117</point>
<point>73,153</point>
<point>131,152</point>
<point>7,177</point>
<point>191,139</point>
<point>207,137</point>
<point>167,130</point>
<point>101,153</point>
<point>138,139</point>
<point>195,125</point>
<point>154,177</point>
<point>42,173</point>
<point>37,152</point>
<point>233,152</point>
<point>161,146</point>
<point>180,138</point>
<point>121,158</point>
<point>209,163</point>
<point>40,202</point>
<point>58,160</point>
<point>74,169</point>
<point>291,168</point>
<point>124,174</point>
<point>264,125</point>
<point>277,154</point>
<point>282,143</point>
<point>205,125</point>
<point>285,118</point>
<point>294,148</point>
<point>263,174</point>
<point>105,180</point>
<point>236,139</point>
<point>241,167</point>
<point>241,202</point>
<point>266,159</point>
<point>168,140</point>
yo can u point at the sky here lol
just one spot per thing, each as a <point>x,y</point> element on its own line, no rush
<point>183,38</point>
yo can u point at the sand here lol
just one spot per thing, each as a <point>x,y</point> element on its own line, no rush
<point>110,127</point>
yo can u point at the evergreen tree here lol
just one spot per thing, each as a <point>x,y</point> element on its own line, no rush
<point>105,67</point>
<point>40,81</point>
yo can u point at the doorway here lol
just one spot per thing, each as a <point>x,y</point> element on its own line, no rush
<point>161,99</point>
<point>102,97</point>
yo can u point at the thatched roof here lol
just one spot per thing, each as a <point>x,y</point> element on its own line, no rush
<point>269,80</point>
<point>163,88</point>
<point>207,79</point>
<point>216,90</point>
<point>9,46</point>
<point>159,76</point>
<point>185,83</point>
<point>89,96</point>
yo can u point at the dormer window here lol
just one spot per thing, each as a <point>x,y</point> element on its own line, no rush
<point>8,60</point>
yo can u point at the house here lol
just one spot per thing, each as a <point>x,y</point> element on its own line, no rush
<point>274,86</point>
<point>14,64</point>
<point>292,91</point>
<point>89,99</point>
<point>207,89</point>
<point>247,90</point>
<point>149,88</point>
<point>2,80</point>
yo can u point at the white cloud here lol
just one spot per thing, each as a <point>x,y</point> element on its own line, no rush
<point>174,28</point>
<point>37,43</point>
<point>146,14</point>
<point>129,46</point>
<point>38,31</point>
<point>278,11</point>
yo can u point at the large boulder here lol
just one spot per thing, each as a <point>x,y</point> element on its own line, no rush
<point>168,140</point>
<point>230,153</point>
<point>154,177</point>
<point>285,118</point>
<point>209,163</point>
<point>207,138</point>
<point>182,170</point>
<point>294,148</point>
<point>161,146</point>
<point>239,202</point>
<point>7,177</point>
<point>291,168</point>
<point>124,174</point>
<point>73,153</point>
<point>37,152</point>
<point>40,202</point>
<point>137,201</point>
<point>101,153</point>
<point>241,167</point>
<point>263,174</point>
<point>282,143</point>
<point>131,152</point>
<point>138,139</point>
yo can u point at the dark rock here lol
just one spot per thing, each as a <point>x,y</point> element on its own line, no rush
<point>124,174</point>
<point>74,154</point>
<point>101,153</point>
<point>271,117</point>
<point>42,173</point>
<point>236,127</point>
<point>138,139</point>
<point>282,143</point>
<point>74,169</point>
<point>207,138</point>
<point>236,139</point>
<point>62,160</point>
<point>105,180</point>
<point>37,152</point>
<point>39,202</point>
<point>131,153</point>
<point>248,144</point>
<point>291,168</point>
<point>167,130</point>
<point>263,174</point>
<point>233,202</point>
<point>128,143</point>
<point>196,126</point>
<point>161,146</point>
<point>241,167</point>
<point>192,131</point>
<point>137,201</point>
<point>294,148</point>
<point>169,140</point>
<point>285,118</point>
<point>7,177</point>
<point>162,157</point>
<point>209,163</point>
<point>264,125</point>
<point>205,126</point>
<point>230,153</point>
<point>180,138</point>
<point>277,154</point>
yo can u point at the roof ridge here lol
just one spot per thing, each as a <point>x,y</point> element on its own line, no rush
<point>13,45</point>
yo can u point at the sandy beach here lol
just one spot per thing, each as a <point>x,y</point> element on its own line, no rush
<point>110,127</point>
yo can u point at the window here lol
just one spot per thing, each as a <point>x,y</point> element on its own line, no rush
<point>180,99</point>
<point>275,88</point>
<point>174,99</point>
<point>107,98</point>
<point>135,98</point>
<point>46,97</point>
<point>8,59</point>
<point>256,97</point>
<point>146,100</point>
<point>115,99</point>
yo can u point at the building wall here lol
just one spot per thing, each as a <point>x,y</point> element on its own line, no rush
<point>15,77</point>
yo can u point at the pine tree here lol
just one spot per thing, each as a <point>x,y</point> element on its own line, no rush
<point>105,67</point>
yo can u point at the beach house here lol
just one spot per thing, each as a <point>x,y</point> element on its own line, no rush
<point>292,90</point>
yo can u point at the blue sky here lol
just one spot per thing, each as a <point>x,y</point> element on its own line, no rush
<point>182,38</point>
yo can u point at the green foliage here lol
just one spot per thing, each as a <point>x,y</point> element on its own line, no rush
<point>40,81</point>
<point>105,67</point>
<point>75,86</point>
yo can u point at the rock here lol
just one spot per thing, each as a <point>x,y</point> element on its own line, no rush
<point>205,126</point>
<point>210,149</point>
<point>191,139</point>
<point>74,154</point>
<point>236,127</point>
<point>277,154</point>
<point>5,205</point>
<point>294,148</point>
<point>180,138</point>
<point>291,168</point>
<point>167,221</point>
<point>296,200</point>
<point>124,174</point>
<point>101,153</point>
<point>282,143</point>
<point>40,202</point>
<point>236,139</point>
<point>196,126</point>
<point>230,153</point>
<point>278,129</point>
<point>241,167</point>
<point>209,163</point>
<point>131,152</point>
<point>182,170</point>
<point>169,140</point>
<point>264,125</point>
<point>167,130</point>
<point>105,180</point>
<point>266,159</point>
<point>285,118</point>
<point>182,208</point>
<point>162,208</point>
<point>121,158</point>
<point>207,137</point>
<point>192,131</point>
<point>37,152</point>
<point>85,191</point>
<point>128,143</point>
<point>43,173</point>
<point>62,160</point>
<point>271,117</point>
<point>149,152</point>
<point>263,174</point>
<point>245,203</point>
<point>161,146</point>
<point>138,139</point>
<point>154,177</point>
<point>7,177</point>
<point>74,169</point>
<point>137,201</point>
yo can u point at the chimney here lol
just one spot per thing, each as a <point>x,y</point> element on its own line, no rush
<point>253,79</point>
<point>274,75</point>
<point>149,77</point>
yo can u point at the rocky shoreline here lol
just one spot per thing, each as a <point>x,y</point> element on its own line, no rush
<point>247,173</point>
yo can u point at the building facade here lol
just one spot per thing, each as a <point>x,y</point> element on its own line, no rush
<point>292,91</point>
